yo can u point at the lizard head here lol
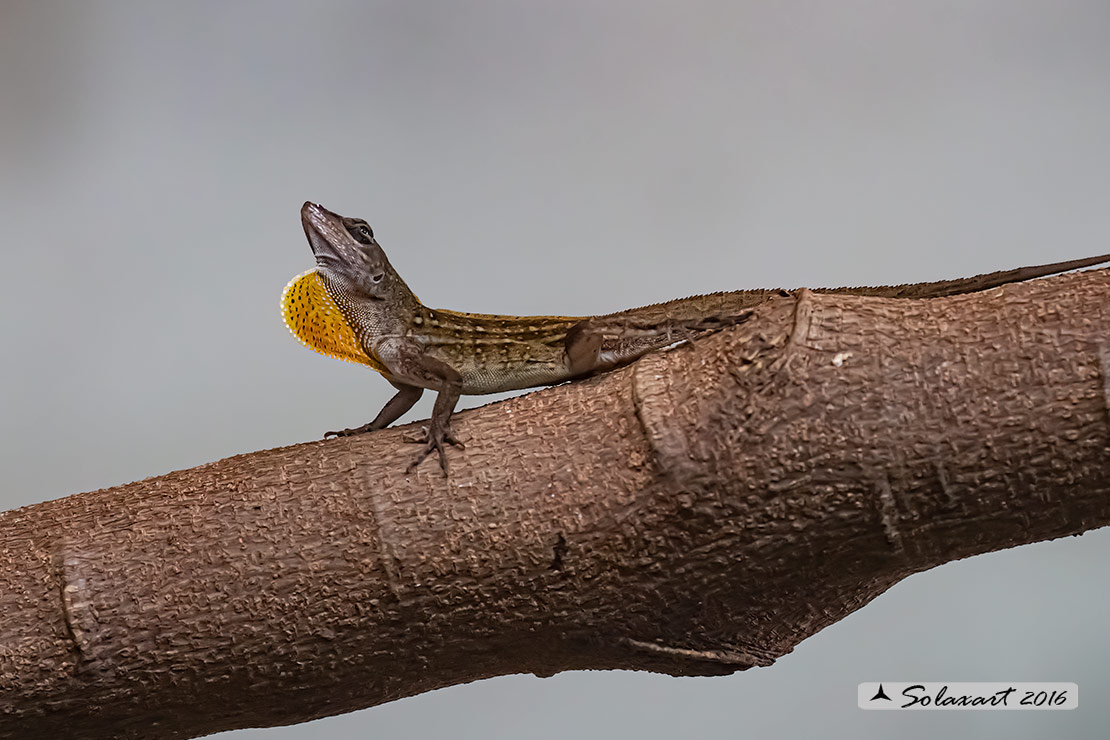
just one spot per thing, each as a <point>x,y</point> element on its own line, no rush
<point>348,257</point>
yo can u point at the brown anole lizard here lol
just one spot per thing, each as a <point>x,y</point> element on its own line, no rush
<point>354,306</point>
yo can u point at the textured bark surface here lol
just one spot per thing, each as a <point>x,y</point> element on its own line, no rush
<point>697,513</point>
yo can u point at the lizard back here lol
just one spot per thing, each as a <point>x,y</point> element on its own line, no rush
<point>495,353</point>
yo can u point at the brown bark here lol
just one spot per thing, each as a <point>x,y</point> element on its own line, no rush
<point>697,513</point>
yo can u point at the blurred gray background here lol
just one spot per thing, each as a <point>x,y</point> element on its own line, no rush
<point>572,157</point>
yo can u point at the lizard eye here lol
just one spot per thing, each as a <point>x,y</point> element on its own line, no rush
<point>360,230</point>
<point>377,277</point>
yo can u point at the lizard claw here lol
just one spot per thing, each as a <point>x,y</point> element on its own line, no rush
<point>434,440</point>
<point>351,432</point>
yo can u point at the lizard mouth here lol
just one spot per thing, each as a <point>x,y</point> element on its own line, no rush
<point>326,234</point>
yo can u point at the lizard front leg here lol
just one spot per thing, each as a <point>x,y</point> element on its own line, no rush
<point>439,427</point>
<point>410,365</point>
<point>407,396</point>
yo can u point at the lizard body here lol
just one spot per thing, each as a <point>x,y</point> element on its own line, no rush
<point>354,306</point>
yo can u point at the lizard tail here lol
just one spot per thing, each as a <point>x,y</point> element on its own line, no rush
<point>972,284</point>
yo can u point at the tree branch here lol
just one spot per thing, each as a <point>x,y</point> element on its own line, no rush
<point>697,513</point>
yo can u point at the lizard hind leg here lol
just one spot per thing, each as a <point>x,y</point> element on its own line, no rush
<point>582,348</point>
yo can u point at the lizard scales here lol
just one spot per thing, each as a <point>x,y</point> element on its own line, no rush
<point>354,306</point>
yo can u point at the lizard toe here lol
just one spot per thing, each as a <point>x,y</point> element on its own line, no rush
<point>434,441</point>
<point>349,432</point>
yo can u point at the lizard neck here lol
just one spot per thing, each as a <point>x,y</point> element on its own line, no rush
<point>371,318</point>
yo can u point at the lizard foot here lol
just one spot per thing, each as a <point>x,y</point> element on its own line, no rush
<point>352,431</point>
<point>434,440</point>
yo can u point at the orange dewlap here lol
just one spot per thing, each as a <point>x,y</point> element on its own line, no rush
<point>315,320</point>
